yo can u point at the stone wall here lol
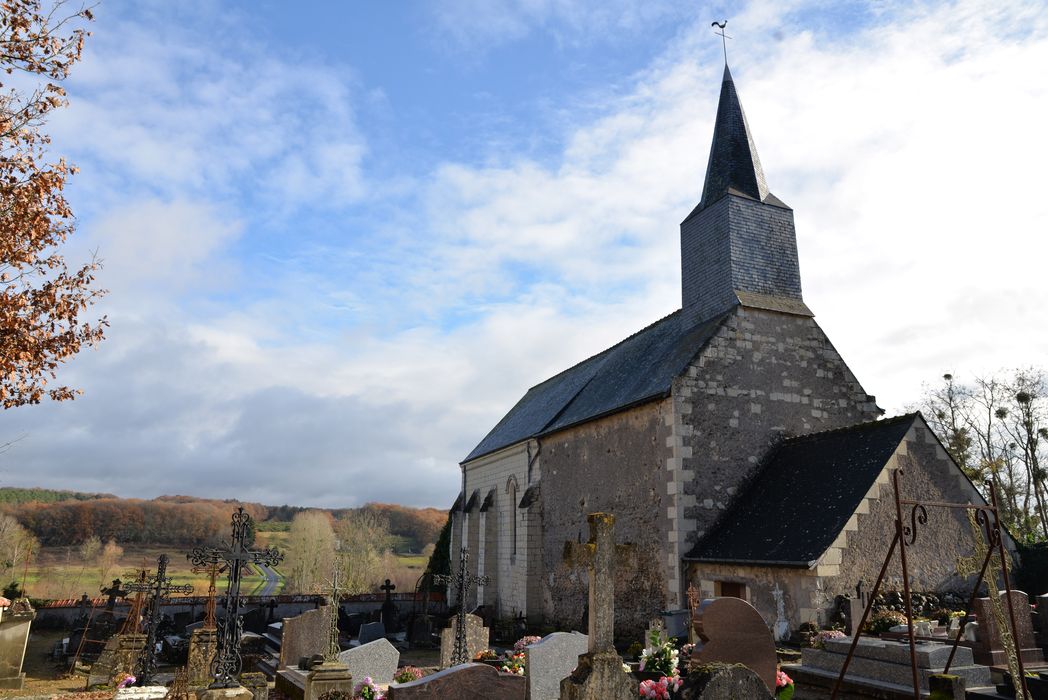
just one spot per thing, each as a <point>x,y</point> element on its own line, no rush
<point>763,377</point>
<point>616,464</point>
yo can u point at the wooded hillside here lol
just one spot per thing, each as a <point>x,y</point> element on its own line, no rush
<point>59,518</point>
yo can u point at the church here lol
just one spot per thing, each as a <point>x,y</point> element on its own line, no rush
<point>731,441</point>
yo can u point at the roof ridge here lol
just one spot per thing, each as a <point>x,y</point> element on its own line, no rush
<point>853,426</point>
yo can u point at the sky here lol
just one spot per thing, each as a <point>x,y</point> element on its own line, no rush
<point>341,240</point>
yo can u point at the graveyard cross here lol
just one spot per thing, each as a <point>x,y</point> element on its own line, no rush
<point>463,580</point>
<point>724,37</point>
<point>140,586</point>
<point>114,591</point>
<point>600,555</point>
<point>336,591</point>
<point>212,569</point>
<point>388,588</point>
<point>226,665</point>
<point>159,587</point>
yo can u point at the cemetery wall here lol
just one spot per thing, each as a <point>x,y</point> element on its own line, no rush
<point>929,475</point>
<point>764,376</point>
<point>615,464</point>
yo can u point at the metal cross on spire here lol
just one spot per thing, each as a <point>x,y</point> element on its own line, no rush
<point>227,663</point>
<point>724,37</point>
<point>159,587</point>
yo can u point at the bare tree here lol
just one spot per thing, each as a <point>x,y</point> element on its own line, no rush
<point>109,557</point>
<point>310,552</point>
<point>363,538</point>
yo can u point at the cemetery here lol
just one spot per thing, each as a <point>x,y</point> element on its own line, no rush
<point>712,508</point>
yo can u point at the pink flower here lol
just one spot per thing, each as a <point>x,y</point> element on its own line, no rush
<point>782,680</point>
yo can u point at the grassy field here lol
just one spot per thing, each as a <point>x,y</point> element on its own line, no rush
<point>58,572</point>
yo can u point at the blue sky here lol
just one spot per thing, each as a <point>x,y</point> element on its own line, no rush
<point>342,239</point>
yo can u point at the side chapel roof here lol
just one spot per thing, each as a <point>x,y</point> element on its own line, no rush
<point>640,368</point>
<point>803,496</point>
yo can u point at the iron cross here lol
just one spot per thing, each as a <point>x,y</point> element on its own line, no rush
<point>724,37</point>
<point>227,663</point>
<point>463,580</point>
<point>336,595</point>
<point>159,587</point>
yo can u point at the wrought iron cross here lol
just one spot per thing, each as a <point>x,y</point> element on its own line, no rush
<point>336,594</point>
<point>212,570</point>
<point>724,37</point>
<point>159,587</point>
<point>227,663</point>
<point>463,580</point>
<point>140,586</point>
<point>114,591</point>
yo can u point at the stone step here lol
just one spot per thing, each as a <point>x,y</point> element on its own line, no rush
<point>890,671</point>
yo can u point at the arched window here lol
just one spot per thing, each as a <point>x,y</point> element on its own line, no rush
<point>511,505</point>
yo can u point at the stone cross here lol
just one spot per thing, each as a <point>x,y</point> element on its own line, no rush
<point>600,555</point>
<point>388,588</point>
<point>158,587</point>
<point>114,591</point>
<point>227,664</point>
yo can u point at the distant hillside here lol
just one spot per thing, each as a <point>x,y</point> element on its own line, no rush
<point>10,494</point>
<point>60,518</point>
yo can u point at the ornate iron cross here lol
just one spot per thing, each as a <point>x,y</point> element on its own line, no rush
<point>140,586</point>
<point>158,587</point>
<point>212,570</point>
<point>336,594</point>
<point>227,664</point>
<point>463,580</point>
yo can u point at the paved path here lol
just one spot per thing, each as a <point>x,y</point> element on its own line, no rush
<point>272,580</point>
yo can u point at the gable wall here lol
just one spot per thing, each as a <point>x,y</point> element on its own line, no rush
<point>617,464</point>
<point>929,475</point>
<point>764,376</point>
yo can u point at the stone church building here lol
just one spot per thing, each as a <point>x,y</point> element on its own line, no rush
<point>733,444</point>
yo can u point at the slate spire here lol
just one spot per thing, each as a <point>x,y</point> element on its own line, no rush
<point>733,166</point>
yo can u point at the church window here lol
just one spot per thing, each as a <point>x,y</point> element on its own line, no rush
<point>511,489</point>
<point>730,589</point>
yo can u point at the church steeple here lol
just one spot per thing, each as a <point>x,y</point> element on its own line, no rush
<point>738,246</point>
<point>733,165</point>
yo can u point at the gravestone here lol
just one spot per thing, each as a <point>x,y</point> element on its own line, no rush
<point>146,692</point>
<point>118,657</point>
<point>720,681</point>
<point>476,639</point>
<point>550,660</point>
<point>326,677</point>
<point>377,659</point>
<point>730,630</point>
<point>305,635</point>
<point>257,684</point>
<point>370,631</point>
<point>463,682</point>
<point>202,646</point>
<point>988,646</point>
<point>599,674</point>
<point>15,620</point>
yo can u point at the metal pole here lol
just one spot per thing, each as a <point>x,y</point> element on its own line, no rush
<point>971,602</point>
<point>906,584</point>
<point>1008,593</point>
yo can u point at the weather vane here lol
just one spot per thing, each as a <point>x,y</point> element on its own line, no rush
<point>724,37</point>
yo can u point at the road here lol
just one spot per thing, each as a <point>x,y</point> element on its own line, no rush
<point>272,584</point>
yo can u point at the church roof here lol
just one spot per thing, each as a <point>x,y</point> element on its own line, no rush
<point>804,495</point>
<point>733,167</point>
<point>638,369</point>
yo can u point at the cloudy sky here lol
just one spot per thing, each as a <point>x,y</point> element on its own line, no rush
<point>342,239</point>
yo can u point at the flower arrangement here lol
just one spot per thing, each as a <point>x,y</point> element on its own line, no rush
<point>486,655</point>
<point>525,641</point>
<point>687,650</point>
<point>660,689</point>
<point>884,620</point>
<point>407,674</point>
<point>660,656</point>
<point>822,636</point>
<point>124,680</point>
<point>367,690</point>
<point>514,663</point>
<point>783,685</point>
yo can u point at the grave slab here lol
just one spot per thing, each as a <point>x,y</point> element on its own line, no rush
<point>463,682</point>
<point>730,630</point>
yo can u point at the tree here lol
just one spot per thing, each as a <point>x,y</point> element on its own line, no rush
<point>41,299</point>
<point>310,552</point>
<point>363,538</point>
<point>16,545</point>
<point>109,557</point>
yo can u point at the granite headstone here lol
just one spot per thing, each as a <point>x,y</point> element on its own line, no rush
<point>476,639</point>
<point>377,660</point>
<point>370,631</point>
<point>550,660</point>
<point>730,630</point>
<point>988,646</point>
<point>305,635</point>
<point>463,682</point>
